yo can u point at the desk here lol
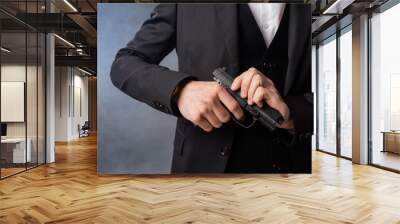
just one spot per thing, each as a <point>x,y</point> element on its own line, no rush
<point>391,141</point>
<point>17,152</point>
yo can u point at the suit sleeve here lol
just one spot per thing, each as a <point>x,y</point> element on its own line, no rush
<point>301,111</point>
<point>300,98</point>
<point>136,70</point>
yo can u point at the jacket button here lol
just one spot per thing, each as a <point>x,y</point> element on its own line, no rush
<point>159,105</point>
<point>269,65</point>
<point>224,151</point>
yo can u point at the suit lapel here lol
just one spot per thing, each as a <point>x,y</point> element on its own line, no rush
<point>227,24</point>
<point>296,43</point>
<point>226,15</point>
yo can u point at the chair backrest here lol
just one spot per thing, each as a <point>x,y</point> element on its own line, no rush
<point>86,124</point>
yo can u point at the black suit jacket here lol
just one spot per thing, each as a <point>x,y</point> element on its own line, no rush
<point>205,37</point>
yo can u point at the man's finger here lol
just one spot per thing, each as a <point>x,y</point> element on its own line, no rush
<point>259,96</point>
<point>272,97</point>
<point>221,113</point>
<point>255,83</point>
<point>231,104</point>
<point>213,119</point>
<point>268,81</point>
<point>236,83</point>
<point>203,124</point>
<point>246,80</point>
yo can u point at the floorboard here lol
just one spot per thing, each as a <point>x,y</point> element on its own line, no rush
<point>70,191</point>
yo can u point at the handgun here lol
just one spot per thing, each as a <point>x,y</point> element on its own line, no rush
<point>266,115</point>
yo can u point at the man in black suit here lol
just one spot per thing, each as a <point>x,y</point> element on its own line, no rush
<point>266,47</point>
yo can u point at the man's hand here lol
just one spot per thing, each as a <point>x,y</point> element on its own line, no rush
<point>257,88</point>
<point>207,104</point>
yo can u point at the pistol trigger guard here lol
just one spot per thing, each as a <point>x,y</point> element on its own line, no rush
<point>243,125</point>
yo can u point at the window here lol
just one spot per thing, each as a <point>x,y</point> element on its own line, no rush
<point>22,101</point>
<point>334,62</point>
<point>346,92</point>
<point>15,150</point>
<point>385,89</point>
<point>327,96</point>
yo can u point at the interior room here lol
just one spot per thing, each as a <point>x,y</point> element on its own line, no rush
<point>22,100</point>
<point>334,98</point>
<point>49,128</point>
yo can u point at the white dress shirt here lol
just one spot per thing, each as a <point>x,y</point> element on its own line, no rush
<point>268,17</point>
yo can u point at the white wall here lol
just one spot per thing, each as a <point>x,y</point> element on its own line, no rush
<point>16,72</point>
<point>80,110</point>
<point>61,103</point>
<point>70,83</point>
<point>33,126</point>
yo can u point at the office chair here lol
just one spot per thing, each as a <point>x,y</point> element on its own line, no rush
<point>84,130</point>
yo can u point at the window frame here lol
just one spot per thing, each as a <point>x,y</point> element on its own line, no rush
<point>333,37</point>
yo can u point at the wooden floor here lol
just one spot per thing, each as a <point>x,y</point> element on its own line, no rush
<point>70,191</point>
<point>5,172</point>
<point>387,159</point>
